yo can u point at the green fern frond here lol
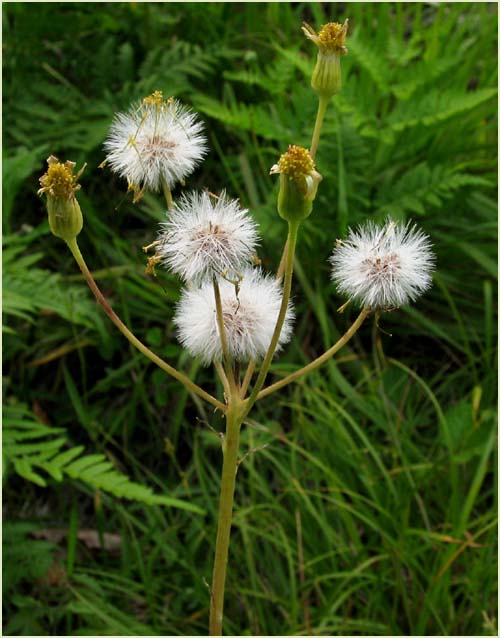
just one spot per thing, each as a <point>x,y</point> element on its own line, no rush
<point>173,66</point>
<point>436,108</point>
<point>256,119</point>
<point>422,187</point>
<point>274,78</point>
<point>304,63</point>
<point>34,449</point>
<point>27,291</point>
<point>24,558</point>
<point>16,169</point>
<point>423,74</point>
<point>371,61</point>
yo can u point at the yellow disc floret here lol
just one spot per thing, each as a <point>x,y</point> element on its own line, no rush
<point>297,163</point>
<point>59,180</point>
<point>331,37</point>
<point>155,99</point>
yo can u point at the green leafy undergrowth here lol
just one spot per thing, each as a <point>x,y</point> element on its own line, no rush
<point>367,502</point>
<point>34,450</point>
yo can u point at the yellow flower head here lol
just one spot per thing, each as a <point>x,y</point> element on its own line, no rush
<point>297,163</point>
<point>326,78</point>
<point>331,37</point>
<point>59,181</point>
<point>299,181</point>
<point>59,185</point>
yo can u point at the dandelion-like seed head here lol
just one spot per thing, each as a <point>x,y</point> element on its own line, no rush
<point>206,237</point>
<point>157,142</point>
<point>249,312</point>
<point>383,267</point>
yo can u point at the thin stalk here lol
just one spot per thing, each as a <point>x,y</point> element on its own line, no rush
<point>293,228</point>
<point>247,378</point>
<point>226,500</point>
<point>167,193</point>
<point>222,333</point>
<point>222,376</point>
<point>190,385</point>
<point>281,268</point>
<point>237,374</point>
<point>323,103</point>
<point>320,360</point>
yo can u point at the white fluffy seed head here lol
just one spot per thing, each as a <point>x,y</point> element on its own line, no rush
<point>249,318</point>
<point>157,141</point>
<point>383,267</point>
<point>205,238</point>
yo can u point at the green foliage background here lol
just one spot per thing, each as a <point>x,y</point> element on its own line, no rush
<point>369,506</point>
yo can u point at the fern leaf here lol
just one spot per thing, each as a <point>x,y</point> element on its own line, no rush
<point>25,469</point>
<point>256,119</point>
<point>38,447</point>
<point>372,62</point>
<point>274,78</point>
<point>437,107</point>
<point>31,447</point>
<point>421,187</point>
<point>303,63</point>
<point>423,74</point>
<point>76,469</point>
<point>64,458</point>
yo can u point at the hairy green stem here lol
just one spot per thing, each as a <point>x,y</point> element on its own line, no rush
<point>226,499</point>
<point>186,381</point>
<point>320,360</point>
<point>293,229</point>
<point>323,103</point>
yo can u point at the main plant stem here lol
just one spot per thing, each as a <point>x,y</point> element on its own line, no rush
<point>226,499</point>
<point>186,381</point>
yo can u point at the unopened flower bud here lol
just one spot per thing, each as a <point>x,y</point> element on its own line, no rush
<point>326,79</point>
<point>59,185</point>
<point>298,183</point>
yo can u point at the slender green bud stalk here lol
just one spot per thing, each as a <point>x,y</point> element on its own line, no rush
<point>186,381</point>
<point>319,361</point>
<point>291,242</point>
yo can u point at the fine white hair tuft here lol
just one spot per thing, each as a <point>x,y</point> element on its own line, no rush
<point>202,238</point>
<point>249,314</point>
<point>156,142</point>
<point>383,267</point>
